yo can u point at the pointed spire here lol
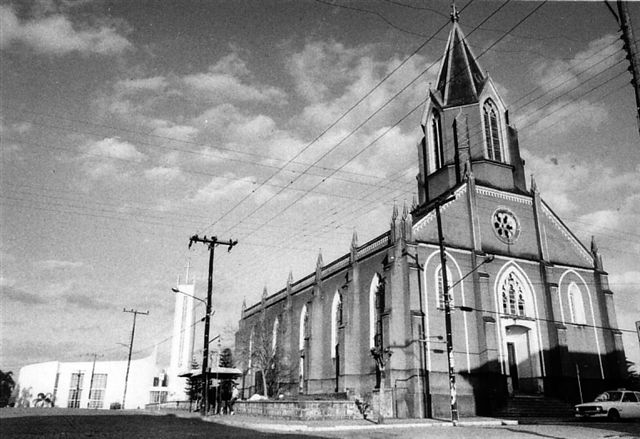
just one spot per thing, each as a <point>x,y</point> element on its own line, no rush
<point>290,279</point>
<point>534,186</point>
<point>394,214</point>
<point>405,210</point>
<point>319,265</point>
<point>353,251</point>
<point>594,246</point>
<point>264,293</point>
<point>461,78</point>
<point>414,202</point>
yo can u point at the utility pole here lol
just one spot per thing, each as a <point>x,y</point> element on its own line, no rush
<point>447,315</point>
<point>133,331</point>
<point>93,370</point>
<point>630,46</point>
<point>212,243</point>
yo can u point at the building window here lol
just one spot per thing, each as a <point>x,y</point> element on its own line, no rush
<point>376,307</point>
<point>336,321</point>
<point>576,305</point>
<point>440,287</point>
<point>492,131</point>
<point>513,298</point>
<point>302,344</point>
<point>438,148</point>
<point>75,390</point>
<point>158,396</point>
<point>274,334</point>
<point>96,392</point>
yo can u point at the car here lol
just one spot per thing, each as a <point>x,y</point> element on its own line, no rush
<point>612,404</point>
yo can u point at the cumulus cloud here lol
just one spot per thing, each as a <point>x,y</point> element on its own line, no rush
<point>86,302</point>
<point>228,187</point>
<point>154,83</point>
<point>57,35</point>
<point>53,264</point>
<point>161,173</point>
<point>114,148</point>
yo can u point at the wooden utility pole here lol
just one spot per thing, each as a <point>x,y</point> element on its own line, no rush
<point>212,243</point>
<point>630,46</point>
<point>447,315</point>
<point>133,332</point>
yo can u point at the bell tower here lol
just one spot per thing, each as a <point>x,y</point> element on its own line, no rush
<point>466,128</point>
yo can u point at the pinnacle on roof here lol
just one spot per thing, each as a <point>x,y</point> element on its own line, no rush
<point>460,79</point>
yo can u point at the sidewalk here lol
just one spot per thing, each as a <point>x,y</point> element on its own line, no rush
<point>266,424</point>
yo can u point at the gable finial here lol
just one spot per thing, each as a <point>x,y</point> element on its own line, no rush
<point>534,185</point>
<point>594,246</point>
<point>455,15</point>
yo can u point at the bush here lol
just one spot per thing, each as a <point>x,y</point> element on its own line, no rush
<point>115,406</point>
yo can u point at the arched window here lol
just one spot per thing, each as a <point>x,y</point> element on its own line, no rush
<point>576,305</point>
<point>304,330</point>
<point>436,133</point>
<point>513,297</point>
<point>440,287</point>
<point>304,334</point>
<point>251,338</point>
<point>274,334</point>
<point>492,131</point>
<point>376,306</point>
<point>336,321</point>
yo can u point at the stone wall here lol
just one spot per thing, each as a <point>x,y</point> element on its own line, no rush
<point>299,409</point>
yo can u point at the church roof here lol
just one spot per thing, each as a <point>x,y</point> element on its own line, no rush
<point>460,79</point>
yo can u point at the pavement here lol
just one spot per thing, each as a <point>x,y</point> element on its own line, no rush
<point>267,424</point>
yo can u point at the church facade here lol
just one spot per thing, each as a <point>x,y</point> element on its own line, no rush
<point>531,309</point>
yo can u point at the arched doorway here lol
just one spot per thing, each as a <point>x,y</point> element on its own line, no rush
<point>520,363</point>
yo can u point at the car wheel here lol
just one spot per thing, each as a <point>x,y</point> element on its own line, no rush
<point>613,415</point>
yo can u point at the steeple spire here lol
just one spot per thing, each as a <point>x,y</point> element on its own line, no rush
<point>460,79</point>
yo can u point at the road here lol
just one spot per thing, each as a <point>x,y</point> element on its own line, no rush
<point>72,424</point>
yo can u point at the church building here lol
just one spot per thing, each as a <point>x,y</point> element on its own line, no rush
<point>531,308</point>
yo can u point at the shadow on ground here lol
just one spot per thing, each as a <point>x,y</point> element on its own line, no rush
<point>68,426</point>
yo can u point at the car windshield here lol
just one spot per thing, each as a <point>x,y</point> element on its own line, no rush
<point>609,396</point>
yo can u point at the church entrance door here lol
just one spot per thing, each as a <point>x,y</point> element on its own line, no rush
<point>520,363</point>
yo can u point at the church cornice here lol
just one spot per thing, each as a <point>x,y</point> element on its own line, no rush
<point>509,196</point>
<point>430,209</point>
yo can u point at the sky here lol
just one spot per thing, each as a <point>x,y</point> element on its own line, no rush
<point>127,127</point>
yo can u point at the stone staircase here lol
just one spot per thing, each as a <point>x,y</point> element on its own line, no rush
<point>535,407</point>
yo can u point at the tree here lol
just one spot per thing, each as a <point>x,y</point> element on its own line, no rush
<point>7,384</point>
<point>631,379</point>
<point>260,354</point>
<point>194,386</point>
<point>226,358</point>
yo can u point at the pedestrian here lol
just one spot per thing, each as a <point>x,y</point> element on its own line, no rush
<point>234,397</point>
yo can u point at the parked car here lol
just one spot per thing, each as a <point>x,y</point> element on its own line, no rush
<point>612,404</point>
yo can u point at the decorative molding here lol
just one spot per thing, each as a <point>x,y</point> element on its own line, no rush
<point>431,215</point>
<point>503,195</point>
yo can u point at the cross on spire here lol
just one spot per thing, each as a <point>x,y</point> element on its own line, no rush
<point>455,15</point>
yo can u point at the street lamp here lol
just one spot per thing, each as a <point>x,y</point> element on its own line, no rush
<point>178,291</point>
<point>205,350</point>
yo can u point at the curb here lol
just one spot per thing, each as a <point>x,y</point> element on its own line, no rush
<point>307,428</point>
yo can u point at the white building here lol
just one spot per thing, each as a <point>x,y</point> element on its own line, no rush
<point>93,385</point>
<point>182,341</point>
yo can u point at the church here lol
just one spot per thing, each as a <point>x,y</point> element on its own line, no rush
<point>531,312</point>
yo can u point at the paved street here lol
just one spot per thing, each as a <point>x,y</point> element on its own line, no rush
<point>65,423</point>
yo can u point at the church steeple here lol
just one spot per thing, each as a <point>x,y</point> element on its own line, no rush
<point>460,79</point>
<point>466,128</point>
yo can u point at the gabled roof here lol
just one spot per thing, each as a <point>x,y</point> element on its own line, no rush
<point>460,79</point>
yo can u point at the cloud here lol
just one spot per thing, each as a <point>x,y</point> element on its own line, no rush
<point>57,35</point>
<point>114,148</point>
<point>162,173</point>
<point>52,264</point>
<point>221,88</point>
<point>10,293</point>
<point>228,187</point>
<point>155,83</point>
<point>86,302</point>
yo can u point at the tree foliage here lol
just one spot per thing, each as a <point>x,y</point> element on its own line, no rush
<point>632,377</point>
<point>7,384</point>
<point>261,355</point>
<point>226,358</point>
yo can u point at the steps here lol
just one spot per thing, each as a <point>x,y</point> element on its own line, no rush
<point>535,407</point>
